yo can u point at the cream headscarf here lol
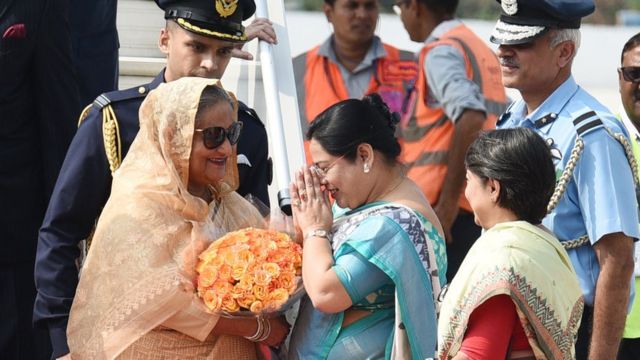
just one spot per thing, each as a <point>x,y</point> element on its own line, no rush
<point>140,271</point>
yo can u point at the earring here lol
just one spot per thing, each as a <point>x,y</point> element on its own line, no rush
<point>366,168</point>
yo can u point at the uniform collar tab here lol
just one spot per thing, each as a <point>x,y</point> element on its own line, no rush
<point>548,112</point>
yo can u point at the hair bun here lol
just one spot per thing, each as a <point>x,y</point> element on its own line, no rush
<point>375,100</point>
<point>394,120</point>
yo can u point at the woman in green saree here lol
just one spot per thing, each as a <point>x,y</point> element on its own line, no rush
<point>371,271</point>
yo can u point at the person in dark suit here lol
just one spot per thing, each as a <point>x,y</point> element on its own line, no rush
<point>38,107</point>
<point>94,40</point>
<point>198,41</point>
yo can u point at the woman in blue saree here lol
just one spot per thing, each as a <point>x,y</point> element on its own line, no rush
<point>373,270</point>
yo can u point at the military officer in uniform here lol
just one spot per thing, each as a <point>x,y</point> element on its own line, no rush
<point>593,211</point>
<point>199,39</point>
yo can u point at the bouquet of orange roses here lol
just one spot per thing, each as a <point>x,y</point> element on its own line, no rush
<point>250,272</point>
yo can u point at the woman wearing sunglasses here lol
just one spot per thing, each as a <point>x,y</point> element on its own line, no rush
<point>172,195</point>
<point>371,272</point>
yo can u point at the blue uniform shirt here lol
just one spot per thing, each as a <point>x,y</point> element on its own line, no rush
<point>600,197</point>
<point>83,187</point>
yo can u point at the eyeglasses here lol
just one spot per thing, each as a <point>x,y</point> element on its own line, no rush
<point>323,172</point>
<point>630,73</point>
<point>397,7</point>
<point>214,136</point>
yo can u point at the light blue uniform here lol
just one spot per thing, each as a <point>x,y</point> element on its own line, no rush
<point>600,198</point>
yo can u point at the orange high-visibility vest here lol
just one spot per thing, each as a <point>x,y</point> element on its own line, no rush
<point>323,85</point>
<point>427,135</point>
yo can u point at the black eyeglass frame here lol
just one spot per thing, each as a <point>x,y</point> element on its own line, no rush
<point>630,73</point>
<point>214,136</point>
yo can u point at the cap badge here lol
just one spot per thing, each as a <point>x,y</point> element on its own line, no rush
<point>510,7</point>
<point>226,7</point>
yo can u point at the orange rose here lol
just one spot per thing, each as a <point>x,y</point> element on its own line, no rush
<point>245,256</point>
<point>207,276</point>
<point>278,257</point>
<point>256,307</point>
<point>222,287</point>
<point>278,296</point>
<point>272,269</point>
<point>238,271</point>
<point>272,245</point>
<point>239,291</point>
<point>287,280</point>
<point>212,300</point>
<point>247,280</point>
<point>225,272</point>
<point>228,256</point>
<point>206,257</point>
<point>246,301</point>
<point>249,268</point>
<point>261,277</point>
<point>229,304</point>
<point>260,292</point>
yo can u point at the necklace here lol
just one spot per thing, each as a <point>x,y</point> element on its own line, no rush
<point>400,180</point>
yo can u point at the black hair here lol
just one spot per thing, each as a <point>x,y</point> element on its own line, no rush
<point>630,45</point>
<point>520,160</point>
<point>212,95</point>
<point>349,123</point>
<point>444,7</point>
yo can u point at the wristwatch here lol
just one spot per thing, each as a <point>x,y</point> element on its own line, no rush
<point>319,233</point>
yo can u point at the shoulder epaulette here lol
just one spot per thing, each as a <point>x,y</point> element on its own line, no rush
<point>110,127</point>
<point>111,97</point>
<point>121,95</point>
<point>583,124</point>
<point>587,122</point>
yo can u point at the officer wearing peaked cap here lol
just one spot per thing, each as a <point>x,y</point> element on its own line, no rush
<point>590,211</point>
<point>216,18</point>
<point>522,21</point>
<point>199,39</point>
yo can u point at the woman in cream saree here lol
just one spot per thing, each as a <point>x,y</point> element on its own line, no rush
<point>172,196</point>
<point>516,294</point>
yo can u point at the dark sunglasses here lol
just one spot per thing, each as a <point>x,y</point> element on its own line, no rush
<point>214,136</point>
<point>630,73</point>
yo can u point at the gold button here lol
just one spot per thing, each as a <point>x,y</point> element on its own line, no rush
<point>142,90</point>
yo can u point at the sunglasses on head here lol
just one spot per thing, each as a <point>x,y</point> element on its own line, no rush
<point>214,136</point>
<point>630,73</point>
